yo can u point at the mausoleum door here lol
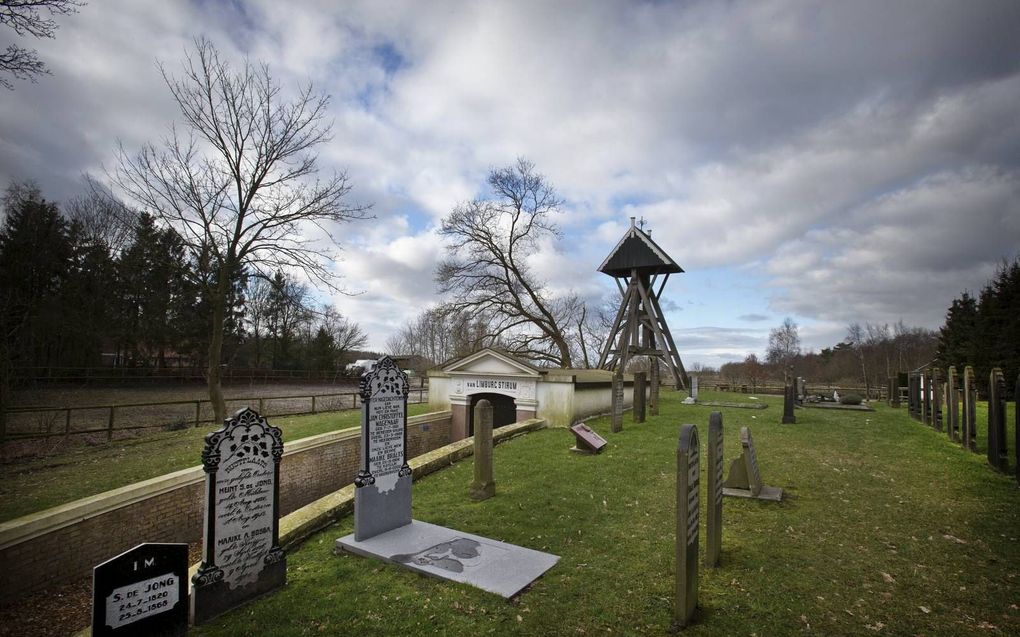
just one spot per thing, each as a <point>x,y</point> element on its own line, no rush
<point>504,410</point>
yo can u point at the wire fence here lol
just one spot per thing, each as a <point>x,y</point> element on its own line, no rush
<point>21,423</point>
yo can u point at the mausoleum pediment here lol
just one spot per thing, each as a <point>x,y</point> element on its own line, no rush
<point>488,361</point>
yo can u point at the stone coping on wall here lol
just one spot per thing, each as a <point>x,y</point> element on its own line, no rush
<point>33,525</point>
<point>298,526</point>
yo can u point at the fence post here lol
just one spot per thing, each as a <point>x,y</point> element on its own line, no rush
<point>313,404</point>
<point>109,426</point>
<point>262,407</point>
<point>198,412</point>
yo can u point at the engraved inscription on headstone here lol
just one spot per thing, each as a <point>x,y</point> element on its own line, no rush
<point>241,557</point>
<point>713,521</point>
<point>617,416</point>
<point>639,397</point>
<point>688,476</point>
<point>586,440</point>
<point>744,480</point>
<point>483,487</point>
<point>382,493</point>
<point>142,592</point>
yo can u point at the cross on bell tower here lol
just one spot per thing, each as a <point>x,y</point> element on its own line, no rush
<point>640,329</point>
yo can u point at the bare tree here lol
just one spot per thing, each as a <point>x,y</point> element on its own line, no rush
<point>784,345</point>
<point>102,216</point>
<point>240,183</point>
<point>347,334</point>
<point>25,17</point>
<point>487,273</point>
<point>855,337</point>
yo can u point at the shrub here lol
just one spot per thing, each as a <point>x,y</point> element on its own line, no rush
<point>177,425</point>
<point>850,399</point>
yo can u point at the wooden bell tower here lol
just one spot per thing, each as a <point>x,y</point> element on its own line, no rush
<point>637,264</point>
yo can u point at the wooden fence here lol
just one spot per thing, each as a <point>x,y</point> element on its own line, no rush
<point>771,387</point>
<point>20,423</point>
<point>85,375</point>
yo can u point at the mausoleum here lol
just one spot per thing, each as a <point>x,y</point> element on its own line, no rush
<point>518,390</point>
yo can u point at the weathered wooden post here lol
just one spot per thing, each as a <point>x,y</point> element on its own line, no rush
<point>654,381</point>
<point>952,405</point>
<point>639,397</point>
<point>483,487</point>
<point>688,523</point>
<point>969,433</point>
<point>998,453</point>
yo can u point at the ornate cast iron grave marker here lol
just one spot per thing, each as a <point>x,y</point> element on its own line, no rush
<point>744,480</point>
<point>241,556</point>
<point>142,592</point>
<point>688,523</point>
<point>713,522</point>
<point>382,493</point>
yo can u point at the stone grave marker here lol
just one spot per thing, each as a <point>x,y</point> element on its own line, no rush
<point>639,397</point>
<point>383,527</point>
<point>142,592</point>
<point>969,433</point>
<point>654,381</point>
<point>801,387</point>
<point>616,425</point>
<point>952,405</point>
<point>382,488</point>
<point>1016,426</point>
<point>936,399</point>
<point>241,554</point>
<point>891,393</point>
<point>483,487</point>
<point>713,522</point>
<point>744,480</point>
<point>789,398</point>
<point>913,396</point>
<point>688,524</point>
<point>925,400</point>
<point>998,454</point>
<point>586,440</point>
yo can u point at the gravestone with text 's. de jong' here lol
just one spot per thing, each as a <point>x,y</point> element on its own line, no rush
<point>241,554</point>
<point>382,493</point>
<point>688,525</point>
<point>142,592</point>
<point>713,519</point>
<point>744,480</point>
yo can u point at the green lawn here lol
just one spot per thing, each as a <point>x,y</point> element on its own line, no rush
<point>887,528</point>
<point>37,484</point>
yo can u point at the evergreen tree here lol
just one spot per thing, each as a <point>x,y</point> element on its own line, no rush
<point>957,337</point>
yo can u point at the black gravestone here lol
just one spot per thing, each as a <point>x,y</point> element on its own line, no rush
<point>241,554</point>
<point>142,592</point>
<point>789,398</point>
<point>587,441</point>
<point>688,522</point>
<point>382,494</point>
<point>998,455</point>
<point>713,520</point>
<point>1016,426</point>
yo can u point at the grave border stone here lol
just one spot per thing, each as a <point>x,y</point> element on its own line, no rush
<point>688,525</point>
<point>714,521</point>
<point>111,578</point>
<point>211,595</point>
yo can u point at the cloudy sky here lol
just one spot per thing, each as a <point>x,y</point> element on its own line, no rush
<point>827,161</point>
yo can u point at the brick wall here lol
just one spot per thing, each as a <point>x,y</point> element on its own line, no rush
<point>65,542</point>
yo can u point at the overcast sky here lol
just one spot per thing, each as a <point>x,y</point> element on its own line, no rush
<point>827,161</point>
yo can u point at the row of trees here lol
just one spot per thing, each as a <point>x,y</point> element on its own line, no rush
<point>985,331</point>
<point>96,283</point>
<point>867,355</point>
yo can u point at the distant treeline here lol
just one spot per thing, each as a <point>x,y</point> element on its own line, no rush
<point>94,283</point>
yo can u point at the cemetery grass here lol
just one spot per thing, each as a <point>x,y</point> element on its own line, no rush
<point>34,484</point>
<point>886,528</point>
